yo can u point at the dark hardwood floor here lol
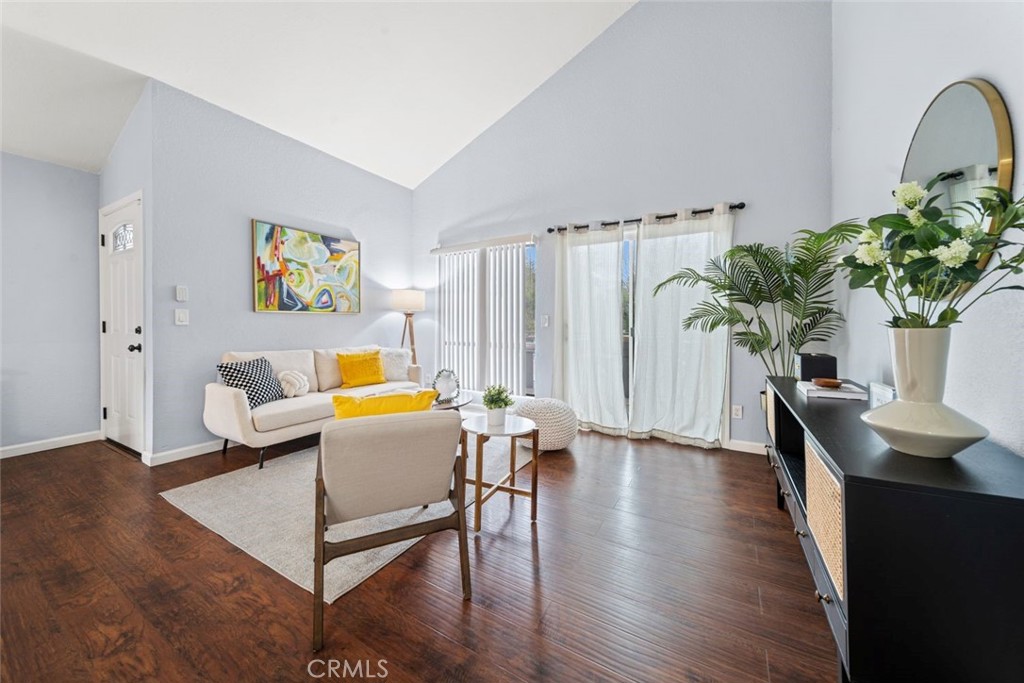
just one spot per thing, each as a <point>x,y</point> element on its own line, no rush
<point>648,562</point>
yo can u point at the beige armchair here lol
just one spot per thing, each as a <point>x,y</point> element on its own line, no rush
<point>373,465</point>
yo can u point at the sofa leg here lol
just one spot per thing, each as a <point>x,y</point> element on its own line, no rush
<point>262,451</point>
<point>224,449</point>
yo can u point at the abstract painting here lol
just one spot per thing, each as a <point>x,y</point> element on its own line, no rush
<point>300,271</point>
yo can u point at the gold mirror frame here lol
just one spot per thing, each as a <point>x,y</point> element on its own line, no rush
<point>1004,135</point>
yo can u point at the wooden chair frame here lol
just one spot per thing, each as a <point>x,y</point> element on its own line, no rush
<point>325,551</point>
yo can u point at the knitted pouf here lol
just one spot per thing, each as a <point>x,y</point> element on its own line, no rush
<point>556,421</point>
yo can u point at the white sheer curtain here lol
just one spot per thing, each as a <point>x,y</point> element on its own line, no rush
<point>966,189</point>
<point>591,294</point>
<point>679,376</point>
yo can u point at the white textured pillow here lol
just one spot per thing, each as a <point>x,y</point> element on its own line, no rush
<point>293,383</point>
<point>396,364</point>
<point>328,374</point>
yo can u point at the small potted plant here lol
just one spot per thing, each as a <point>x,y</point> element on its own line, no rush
<point>496,400</point>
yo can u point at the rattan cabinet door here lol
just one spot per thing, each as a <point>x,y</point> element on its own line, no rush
<point>825,515</point>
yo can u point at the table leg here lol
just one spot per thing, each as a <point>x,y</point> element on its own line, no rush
<point>478,504</point>
<point>533,477</point>
<point>512,464</point>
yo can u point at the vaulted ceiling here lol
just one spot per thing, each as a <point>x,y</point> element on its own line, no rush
<point>396,88</point>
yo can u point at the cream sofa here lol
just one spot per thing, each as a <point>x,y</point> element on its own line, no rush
<point>226,412</point>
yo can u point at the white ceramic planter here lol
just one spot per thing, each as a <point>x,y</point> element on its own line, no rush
<point>495,416</point>
<point>918,422</point>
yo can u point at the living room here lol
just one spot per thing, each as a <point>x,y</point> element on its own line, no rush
<point>478,124</point>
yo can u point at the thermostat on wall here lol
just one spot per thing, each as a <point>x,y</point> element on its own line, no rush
<point>880,394</point>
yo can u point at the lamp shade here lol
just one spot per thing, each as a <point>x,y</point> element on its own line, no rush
<point>409,300</point>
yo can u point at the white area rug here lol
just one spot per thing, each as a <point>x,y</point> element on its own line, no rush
<point>268,513</point>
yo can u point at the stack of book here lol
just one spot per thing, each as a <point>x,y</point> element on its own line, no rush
<point>850,391</point>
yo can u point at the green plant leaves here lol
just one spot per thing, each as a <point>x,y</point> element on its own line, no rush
<point>863,277</point>
<point>928,237</point>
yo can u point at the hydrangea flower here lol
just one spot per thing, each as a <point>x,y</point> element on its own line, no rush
<point>913,254</point>
<point>915,217</point>
<point>909,194</point>
<point>868,235</point>
<point>971,231</point>
<point>954,254</point>
<point>871,253</point>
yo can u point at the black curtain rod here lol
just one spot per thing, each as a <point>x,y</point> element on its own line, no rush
<point>957,175</point>
<point>658,217</point>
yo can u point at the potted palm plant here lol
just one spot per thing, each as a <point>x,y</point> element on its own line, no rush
<point>776,300</point>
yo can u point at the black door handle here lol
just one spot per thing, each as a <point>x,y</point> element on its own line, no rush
<point>135,347</point>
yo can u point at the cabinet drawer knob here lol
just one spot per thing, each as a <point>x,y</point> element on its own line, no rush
<point>827,599</point>
<point>800,534</point>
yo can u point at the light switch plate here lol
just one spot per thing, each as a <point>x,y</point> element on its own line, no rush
<point>181,293</point>
<point>181,316</point>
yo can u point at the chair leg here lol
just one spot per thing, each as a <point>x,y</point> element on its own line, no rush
<point>460,497</point>
<point>318,569</point>
<point>224,449</point>
<point>262,451</point>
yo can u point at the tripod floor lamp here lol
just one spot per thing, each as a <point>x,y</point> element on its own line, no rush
<point>409,301</point>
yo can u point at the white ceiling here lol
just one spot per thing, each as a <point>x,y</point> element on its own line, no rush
<point>61,106</point>
<point>396,88</point>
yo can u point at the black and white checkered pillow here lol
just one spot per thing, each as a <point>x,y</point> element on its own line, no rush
<point>255,377</point>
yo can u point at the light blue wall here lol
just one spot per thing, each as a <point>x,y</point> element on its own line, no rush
<point>213,172</point>
<point>49,345</point>
<point>675,105</point>
<point>879,95</point>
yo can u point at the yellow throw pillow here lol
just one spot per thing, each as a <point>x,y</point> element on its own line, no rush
<point>360,369</point>
<point>351,406</point>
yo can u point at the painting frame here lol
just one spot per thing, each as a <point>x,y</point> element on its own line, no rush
<point>301,271</point>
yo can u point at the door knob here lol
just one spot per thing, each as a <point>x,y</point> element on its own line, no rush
<point>135,347</point>
<point>138,329</point>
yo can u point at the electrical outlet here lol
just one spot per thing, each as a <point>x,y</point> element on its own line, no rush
<point>181,293</point>
<point>737,412</point>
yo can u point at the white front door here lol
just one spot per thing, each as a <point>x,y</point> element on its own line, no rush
<point>122,342</point>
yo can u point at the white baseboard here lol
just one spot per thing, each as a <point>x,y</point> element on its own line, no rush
<point>155,459</point>
<point>744,446</point>
<point>48,444</point>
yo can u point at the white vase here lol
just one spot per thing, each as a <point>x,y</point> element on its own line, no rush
<point>495,416</point>
<point>918,422</point>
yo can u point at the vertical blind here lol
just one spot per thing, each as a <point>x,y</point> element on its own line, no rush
<point>481,315</point>
<point>459,316</point>
<point>506,336</point>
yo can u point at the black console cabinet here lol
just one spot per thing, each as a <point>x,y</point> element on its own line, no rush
<point>918,563</point>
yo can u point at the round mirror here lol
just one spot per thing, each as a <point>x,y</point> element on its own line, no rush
<point>446,384</point>
<point>965,138</point>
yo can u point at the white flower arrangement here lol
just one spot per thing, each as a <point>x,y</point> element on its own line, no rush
<point>909,195</point>
<point>926,269</point>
